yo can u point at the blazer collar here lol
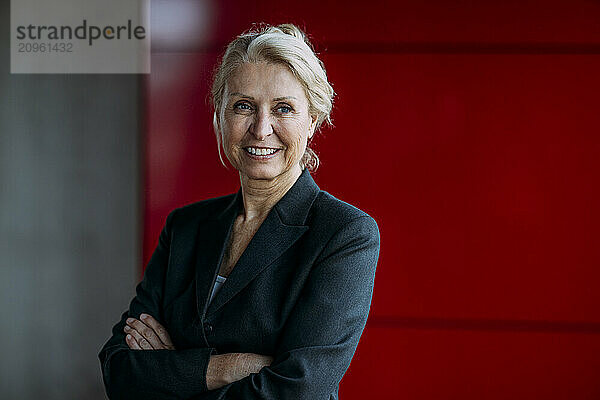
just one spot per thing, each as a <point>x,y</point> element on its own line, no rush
<point>283,226</point>
<point>293,207</point>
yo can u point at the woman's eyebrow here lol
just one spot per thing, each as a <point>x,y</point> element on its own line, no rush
<point>284,98</point>
<point>252,98</point>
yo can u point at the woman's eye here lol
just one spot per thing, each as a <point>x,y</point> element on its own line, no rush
<point>283,109</point>
<point>242,106</point>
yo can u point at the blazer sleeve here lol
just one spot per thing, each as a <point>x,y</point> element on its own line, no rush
<point>323,330</point>
<point>152,374</point>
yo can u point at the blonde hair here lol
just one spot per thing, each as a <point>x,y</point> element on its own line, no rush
<point>282,44</point>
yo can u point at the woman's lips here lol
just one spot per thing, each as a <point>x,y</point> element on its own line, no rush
<point>261,153</point>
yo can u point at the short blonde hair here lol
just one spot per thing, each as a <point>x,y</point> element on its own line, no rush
<point>282,44</point>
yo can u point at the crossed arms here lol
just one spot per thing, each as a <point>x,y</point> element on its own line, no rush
<point>316,347</point>
<point>148,334</point>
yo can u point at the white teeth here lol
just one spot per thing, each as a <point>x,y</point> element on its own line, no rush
<point>260,152</point>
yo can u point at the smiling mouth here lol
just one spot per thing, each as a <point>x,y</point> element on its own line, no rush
<point>260,151</point>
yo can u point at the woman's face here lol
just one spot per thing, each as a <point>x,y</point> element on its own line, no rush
<point>265,124</point>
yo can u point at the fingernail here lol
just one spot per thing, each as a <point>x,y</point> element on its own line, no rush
<point>129,320</point>
<point>127,328</point>
<point>143,316</point>
<point>128,337</point>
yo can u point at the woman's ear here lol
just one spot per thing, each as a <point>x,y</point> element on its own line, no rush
<point>216,123</point>
<point>313,125</point>
<point>219,135</point>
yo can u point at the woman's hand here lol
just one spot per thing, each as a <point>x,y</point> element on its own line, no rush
<point>147,333</point>
<point>230,367</point>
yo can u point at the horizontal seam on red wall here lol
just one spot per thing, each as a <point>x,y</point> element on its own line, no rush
<point>496,325</point>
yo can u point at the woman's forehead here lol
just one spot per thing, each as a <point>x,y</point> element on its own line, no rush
<point>264,80</point>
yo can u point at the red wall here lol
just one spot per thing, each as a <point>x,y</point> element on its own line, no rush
<point>470,133</point>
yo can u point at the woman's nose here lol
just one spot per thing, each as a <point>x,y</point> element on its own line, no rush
<point>261,127</point>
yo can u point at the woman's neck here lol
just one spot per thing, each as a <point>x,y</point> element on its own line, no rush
<point>260,195</point>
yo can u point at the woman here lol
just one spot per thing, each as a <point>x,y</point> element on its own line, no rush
<point>262,294</point>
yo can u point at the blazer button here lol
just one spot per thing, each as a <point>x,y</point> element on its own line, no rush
<point>208,328</point>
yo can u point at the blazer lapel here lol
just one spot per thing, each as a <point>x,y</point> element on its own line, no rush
<point>284,225</point>
<point>211,240</point>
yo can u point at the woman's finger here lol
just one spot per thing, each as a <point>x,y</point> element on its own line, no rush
<point>131,342</point>
<point>141,340</point>
<point>146,332</point>
<point>160,330</point>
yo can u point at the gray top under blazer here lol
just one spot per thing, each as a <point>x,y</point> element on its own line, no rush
<point>300,292</point>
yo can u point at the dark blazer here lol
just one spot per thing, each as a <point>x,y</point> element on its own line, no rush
<point>300,292</point>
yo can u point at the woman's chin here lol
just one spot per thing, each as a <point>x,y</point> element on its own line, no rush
<point>261,173</point>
